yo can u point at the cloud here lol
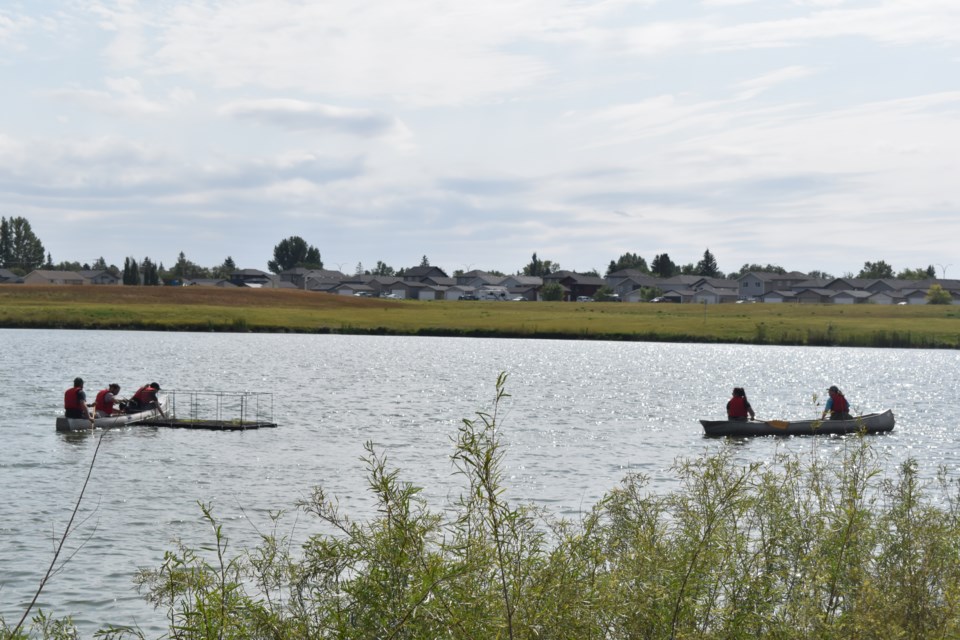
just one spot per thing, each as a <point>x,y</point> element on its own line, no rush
<point>297,115</point>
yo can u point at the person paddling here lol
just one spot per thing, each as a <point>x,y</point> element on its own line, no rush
<point>837,405</point>
<point>738,407</point>
<point>75,401</point>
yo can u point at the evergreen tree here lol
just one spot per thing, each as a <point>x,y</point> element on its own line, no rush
<point>131,273</point>
<point>424,262</point>
<point>707,267</point>
<point>663,266</point>
<point>6,244</point>
<point>150,274</point>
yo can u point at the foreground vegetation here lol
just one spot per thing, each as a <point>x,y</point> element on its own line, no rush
<point>274,310</point>
<point>790,548</point>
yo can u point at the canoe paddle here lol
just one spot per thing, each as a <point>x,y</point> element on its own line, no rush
<point>776,424</point>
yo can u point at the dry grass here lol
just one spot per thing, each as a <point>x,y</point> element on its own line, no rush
<point>211,308</point>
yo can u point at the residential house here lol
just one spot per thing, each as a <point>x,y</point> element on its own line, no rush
<point>819,296</point>
<point>208,282</point>
<point>253,278</point>
<point>9,277</point>
<point>754,284</point>
<point>778,297</point>
<point>574,284</point>
<point>99,276</point>
<point>42,276</point>
<point>713,294</point>
<point>852,297</point>
<point>419,274</point>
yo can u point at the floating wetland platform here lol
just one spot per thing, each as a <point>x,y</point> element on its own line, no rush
<point>216,411</point>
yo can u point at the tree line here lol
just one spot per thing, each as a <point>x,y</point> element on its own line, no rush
<point>21,252</point>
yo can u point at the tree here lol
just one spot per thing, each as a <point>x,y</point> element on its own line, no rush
<point>918,274</point>
<point>628,261</point>
<point>663,266</point>
<point>819,275</point>
<point>938,295</point>
<point>19,247</point>
<point>424,262</point>
<point>131,272</point>
<point>605,294</point>
<point>747,268</point>
<point>226,269</point>
<point>540,268</point>
<point>707,267</point>
<point>294,252</point>
<point>149,273</point>
<point>99,264</point>
<point>184,269</point>
<point>876,270</point>
<point>382,269</point>
<point>6,244</point>
<point>552,291</point>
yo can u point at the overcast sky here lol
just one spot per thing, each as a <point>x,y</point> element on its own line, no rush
<point>812,134</point>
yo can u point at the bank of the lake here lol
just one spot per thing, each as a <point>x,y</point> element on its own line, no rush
<point>280,310</point>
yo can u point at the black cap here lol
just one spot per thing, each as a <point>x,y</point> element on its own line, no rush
<point>78,382</point>
<point>154,385</point>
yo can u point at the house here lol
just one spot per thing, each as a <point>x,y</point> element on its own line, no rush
<point>419,274</point>
<point>208,282</point>
<point>99,276</point>
<point>353,289</point>
<point>712,294</point>
<point>778,297</point>
<point>41,276</point>
<point>9,277</point>
<point>754,284</point>
<point>251,278</point>
<point>575,285</point>
<point>815,295</point>
<point>851,297</point>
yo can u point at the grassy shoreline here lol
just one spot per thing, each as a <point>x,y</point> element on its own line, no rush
<point>287,311</point>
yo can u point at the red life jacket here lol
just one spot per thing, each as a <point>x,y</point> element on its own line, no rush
<point>71,399</point>
<point>840,404</point>
<point>145,395</point>
<point>737,407</point>
<point>101,404</point>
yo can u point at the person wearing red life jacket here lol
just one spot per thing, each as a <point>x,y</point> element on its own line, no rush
<point>837,405</point>
<point>105,401</point>
<point>738,407</point>
<point>145,398</point>
<point>75,401</point>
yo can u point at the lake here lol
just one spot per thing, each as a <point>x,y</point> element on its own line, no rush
<point>582,414</point>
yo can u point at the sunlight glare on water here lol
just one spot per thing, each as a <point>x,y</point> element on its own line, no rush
<point>580,416</point>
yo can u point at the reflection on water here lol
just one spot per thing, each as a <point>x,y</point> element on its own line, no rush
<point>581,415</point>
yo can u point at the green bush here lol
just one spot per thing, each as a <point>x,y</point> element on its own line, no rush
<point>825,547</point>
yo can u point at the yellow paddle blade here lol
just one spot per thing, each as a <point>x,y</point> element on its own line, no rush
<point>778,424</point>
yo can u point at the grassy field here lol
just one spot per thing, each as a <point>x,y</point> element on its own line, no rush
<point>271,310</point>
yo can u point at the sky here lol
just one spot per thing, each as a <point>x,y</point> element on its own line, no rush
<point>809,134</point>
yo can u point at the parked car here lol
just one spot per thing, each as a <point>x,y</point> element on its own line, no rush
<point>519,299</point>
<point>468,296</point>
<point>584,299</point>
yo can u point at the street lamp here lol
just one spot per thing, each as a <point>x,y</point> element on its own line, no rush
<point>943,270</point>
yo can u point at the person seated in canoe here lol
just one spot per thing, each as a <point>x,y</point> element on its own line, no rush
<point>145,398</point>
<point>75,401</point>
<point>837,405</point>
<point>738,407</point>
<point>105,403</point>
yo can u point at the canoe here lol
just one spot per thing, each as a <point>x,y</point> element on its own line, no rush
<point>110,422</point>
<point>869,423</point>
